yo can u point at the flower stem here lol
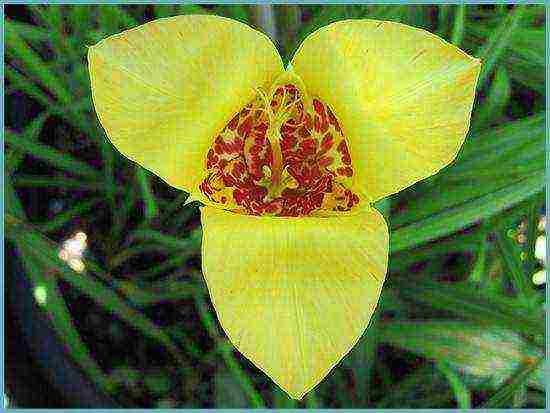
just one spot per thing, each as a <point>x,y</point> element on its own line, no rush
<point>289,18</point>
<point>263,16</point>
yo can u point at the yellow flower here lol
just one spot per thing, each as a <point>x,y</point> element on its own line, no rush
<point>288,163</point>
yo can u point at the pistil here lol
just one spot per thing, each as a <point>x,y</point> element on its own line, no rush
<point>277,165</point>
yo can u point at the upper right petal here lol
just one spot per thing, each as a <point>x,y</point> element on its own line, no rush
<point>163,90</point>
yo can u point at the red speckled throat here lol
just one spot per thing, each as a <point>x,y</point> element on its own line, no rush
<point>278,157</point>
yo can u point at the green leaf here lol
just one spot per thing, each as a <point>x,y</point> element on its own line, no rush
<point>114,18</point>
<point>142,296</point>
<point>31,132</point>
<point>108,156</point>
<point>14,208</point>
<point>31,33</point>
<point>458,25</point>
<point>481,354</point>
<point>57,182</point>
<point>524,57</point>
<point>422,388</point>
<point>48,154</point>
<point>471,304</point>
<point>79,19</point>
<point>192,9</point>
<point>158,383</point>
<point>226,352</point>
<point>497,99</point>
<point>497,43</point>
<point>238,12</point>
<point>17,48</point>
<point>501,145</point>
<point>460,243</point>
<point>418,16</point>
<point>124,210</point>
<point>311,401</point>
<point>151,209</point>
<point>61,219</point>
<point>182,245</point>
<point>281,399</point>
<point>498,157</point>
<point>43,276</point>
<point>510,254</point>
<point>228,393</point>
<point>461,391</point>
<point>46,251</point>
<point>443,13</point>
<point>52,19</point>
<point>478,274</point>
<point>68,113</point>
<point>503,397</point>
<point>129,252</point>
<point>453,219</point>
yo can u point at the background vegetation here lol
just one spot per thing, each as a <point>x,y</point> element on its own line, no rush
<point>460,322</point>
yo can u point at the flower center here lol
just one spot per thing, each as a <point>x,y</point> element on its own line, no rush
<point>279,157</point>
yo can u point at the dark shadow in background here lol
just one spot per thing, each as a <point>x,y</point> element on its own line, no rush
<point>38,371</point>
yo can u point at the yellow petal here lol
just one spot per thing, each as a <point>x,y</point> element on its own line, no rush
<point>403,96</point>
<point>163,90</point>
<point>294,295</point>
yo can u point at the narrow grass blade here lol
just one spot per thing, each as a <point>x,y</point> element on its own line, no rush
<point>497,43</point>
<point>471,304</point>
<point>449,221</point>
<point>43,276</point>
<point>66,112</point>
<point>503,397</point>
<point>493,160</point>
<point>54,157</point>
<point>123,211</point>
<point>483,354</point>
<point>41,181</point>
<point>510,255</point>
<point>141,296</point>
<point>191,243</point>
<point>151,208</point>
<point>46,251</point>
<point>459,243</point>
<point>226,352</point>
<point>33,64</point>
<point>31,133</point>
<point>26,31</point>
<point>462,393</point>
<point>311,401</point>
<point>458,25</point>
<point>494,143</point>
<point>497,99</point>
<point>422,389</point>
<point>115,18</point>
<point>174,205</point>
<point>62,219</point>
<point>443,13</point>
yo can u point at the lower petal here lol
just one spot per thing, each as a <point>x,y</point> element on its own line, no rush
<point>294,295</point>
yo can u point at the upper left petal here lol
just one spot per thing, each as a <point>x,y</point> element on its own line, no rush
<point>163,90</point>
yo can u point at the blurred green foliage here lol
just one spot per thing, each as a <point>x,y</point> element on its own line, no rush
<point>459,324</point>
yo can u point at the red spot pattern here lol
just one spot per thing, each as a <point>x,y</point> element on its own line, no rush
<point>316,166</point>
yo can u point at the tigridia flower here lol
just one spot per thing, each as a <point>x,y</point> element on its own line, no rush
<point>288,163</point>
